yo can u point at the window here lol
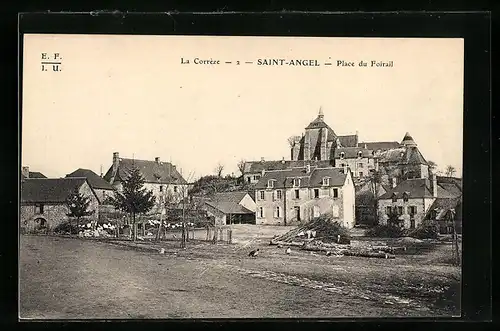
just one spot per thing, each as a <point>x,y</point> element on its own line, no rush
<point>342,154</point>
<point>335,192</point>
<point>296,182</point>
<point>412,223</point>
<point>270,183</point>
<point>412,210</point>
<point>175,189</point>
<point>315,211</point>
<point>278,194</point>
<point>277,212</point>
<point>297,194</point>
<point>38,209</point>
<point>161,188</point>
<point>326,181</point>
<point>248,180</point>
<point>405,197</point>
<point>360,165</point>
<point>261,212</point>
<point>400,210</point>
<point>261,195</point>
<point>394,197</point>
<point>360,153</point>
<point>361,174</point>
<point>342,165</point>
<point>388,210</point>
<point>335,211</point>
<point>256,177</point>
<point>316,193</point>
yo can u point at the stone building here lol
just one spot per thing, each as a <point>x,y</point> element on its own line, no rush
<point>401,163</point>
<point>296,195</point>
<point>319,141</point>
<point>101,187</point>
<point>43,201</point>
<point>412,198</point>
<point>162,178</point>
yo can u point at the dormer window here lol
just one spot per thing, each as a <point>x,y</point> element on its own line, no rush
<point>394,197</point>
<point>342,155</point>
<point>360,153</point>
<point>326,181</point>
<point>270,183</point>
<point>296,182</point>
<point>406,196</point>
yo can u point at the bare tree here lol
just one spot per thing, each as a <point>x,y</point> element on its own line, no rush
<point>432,166</point>
<point>241,166</point>
<point>218,170</point>
<point>291,141</point>
<point>183,194</point>
<point>450,171</point>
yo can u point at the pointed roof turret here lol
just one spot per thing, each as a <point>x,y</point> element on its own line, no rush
<point>320,114</point>
<point>408,141</point>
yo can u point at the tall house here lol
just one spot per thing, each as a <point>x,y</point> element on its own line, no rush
<point>297,195</point>
<point>162,178</point>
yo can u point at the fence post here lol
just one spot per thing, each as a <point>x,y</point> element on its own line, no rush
<point>230,236</point>
<point>208,233</point>
<point>215,236</point>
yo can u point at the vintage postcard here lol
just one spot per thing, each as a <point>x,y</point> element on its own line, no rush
<point>168,177</point>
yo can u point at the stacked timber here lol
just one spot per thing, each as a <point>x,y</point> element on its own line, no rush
<point>328,241</point>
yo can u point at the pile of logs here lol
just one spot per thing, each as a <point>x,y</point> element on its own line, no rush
<point>314,244</point>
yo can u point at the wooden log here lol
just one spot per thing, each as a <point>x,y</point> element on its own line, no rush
<point>370,254</point>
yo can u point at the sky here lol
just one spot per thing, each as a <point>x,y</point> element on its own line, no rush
<point>132,95</point>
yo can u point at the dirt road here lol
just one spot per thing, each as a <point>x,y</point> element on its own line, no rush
<point>71,278</point>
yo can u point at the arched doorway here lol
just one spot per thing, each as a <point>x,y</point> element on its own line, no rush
<point>40,225</point>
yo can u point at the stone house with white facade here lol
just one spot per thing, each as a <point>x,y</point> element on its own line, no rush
<point>162,178</point>
<point>43,201</point>
<point>297,195</point>
<point>412,199</point>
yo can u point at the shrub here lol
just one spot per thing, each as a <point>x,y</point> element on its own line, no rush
<point>66,227</point>
<point>426,230</point>
<point>385,231</point>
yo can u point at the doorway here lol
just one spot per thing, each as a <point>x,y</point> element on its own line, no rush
<point>297,213</point>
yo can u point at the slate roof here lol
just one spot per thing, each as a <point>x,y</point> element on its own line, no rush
<point>407,138</point>
<point>34,174</point>
<point>284,178</point>
<point>349,140</point>
<point>402,155</point>
<point>352,152</point>
<point>258,166</point>
<point>421,188</point>
<point>152,171</point>
<point>442,206</point>
<point>94,180</point>
<point>48,190</point>
<point>380,145</point>
<point>417,188</point>
<point>228,202</point>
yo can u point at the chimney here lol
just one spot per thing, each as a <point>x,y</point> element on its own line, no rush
<point>262,159</point>
<point>157,160</point>
<point>25,171</point>
<point>283,160</point>
<point>434,185</point>
<point>116,161</point>
<point>394,182</point>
